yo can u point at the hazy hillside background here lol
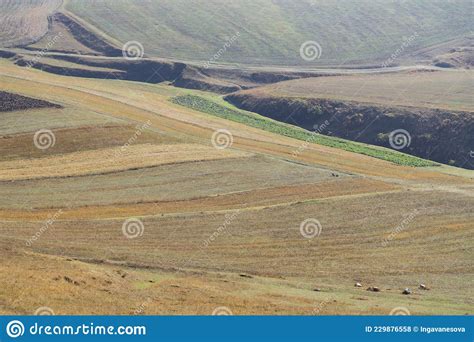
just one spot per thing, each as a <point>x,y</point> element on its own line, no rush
<point>272,31</point>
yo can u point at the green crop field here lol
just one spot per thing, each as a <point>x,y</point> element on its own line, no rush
<point>207,106</point>
<point>435,108</point>
<point>271,32</point>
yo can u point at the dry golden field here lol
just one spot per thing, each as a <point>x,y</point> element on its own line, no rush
<point>443,89</point>
<point>131,204</point>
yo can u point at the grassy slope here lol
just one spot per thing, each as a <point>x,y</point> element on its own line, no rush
<point>450,90</point>
<point>271,32</point>
<point>207,106</point>
<point>23,22</point>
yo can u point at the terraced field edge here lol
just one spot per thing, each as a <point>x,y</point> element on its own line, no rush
<point>211,107</point>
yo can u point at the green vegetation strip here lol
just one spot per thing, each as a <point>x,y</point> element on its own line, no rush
<point>254,120</point>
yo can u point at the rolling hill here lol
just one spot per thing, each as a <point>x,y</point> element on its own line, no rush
<point>262,32</point>
<point>24,22</point>
<point>248,219</point>
<point>271,32</point>
<point>165,185</point>
<point>432,111</point>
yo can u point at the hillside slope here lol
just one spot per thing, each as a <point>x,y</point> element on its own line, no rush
<point>272,31</point>
<point>128,195</point>
<point>23,22</point>
<point>433,111</point>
